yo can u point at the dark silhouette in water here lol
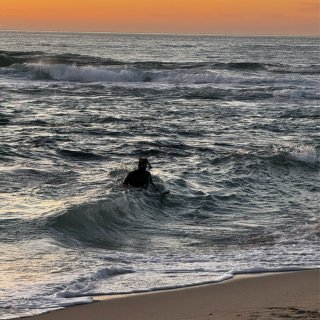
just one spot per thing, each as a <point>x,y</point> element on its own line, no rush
<point>140,178</point>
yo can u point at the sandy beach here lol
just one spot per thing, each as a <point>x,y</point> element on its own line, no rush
<point>286,295</point>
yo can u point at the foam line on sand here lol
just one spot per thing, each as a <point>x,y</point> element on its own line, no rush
<point>291,295</point>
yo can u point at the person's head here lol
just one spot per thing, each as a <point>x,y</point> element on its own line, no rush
<point>143,163</point>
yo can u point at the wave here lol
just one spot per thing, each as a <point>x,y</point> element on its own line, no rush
<point>80,155</point>
<point>113,222</point>
<point>197,76</point>
<point>304,154</point>
<point>86,285</point>
<point>307,69</point>
<point>5,120</point>
<point>251,167</point>
<point>11,58</point>
<point>296,93</point>
<point>131,218</point>
<point>109,223</point>
<point>63,72</point>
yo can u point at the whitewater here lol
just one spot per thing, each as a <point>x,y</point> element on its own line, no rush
<point>229,124</point>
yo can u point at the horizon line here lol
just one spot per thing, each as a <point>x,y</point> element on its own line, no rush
<point>165,33</point>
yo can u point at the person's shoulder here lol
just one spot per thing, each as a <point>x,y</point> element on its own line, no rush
<point>148,174</point>
<point>133,173</point>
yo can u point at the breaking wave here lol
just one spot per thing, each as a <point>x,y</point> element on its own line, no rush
<point>231,130</point>
<point>305,154</point>
<point>11,58</point>
<point>193,76</point>
<point>62,72</point>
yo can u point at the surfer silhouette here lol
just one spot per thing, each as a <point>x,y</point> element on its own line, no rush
<point>140,178</point>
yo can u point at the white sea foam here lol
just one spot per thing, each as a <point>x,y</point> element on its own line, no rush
<point>86,284</point>
<point>78,291</point>
<point>293,93</point>
<point>126,74</point>
<point>227,214</point>
<point>296,93</point>
<point>300,153</point>
<point>64,72</point>
<point>307,69</point>
<point>304,153</point>
<point>265,270</point>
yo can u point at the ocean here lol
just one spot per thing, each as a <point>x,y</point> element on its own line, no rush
<point>229,124</point>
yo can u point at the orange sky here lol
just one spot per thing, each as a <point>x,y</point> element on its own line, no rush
<point>293,17</point>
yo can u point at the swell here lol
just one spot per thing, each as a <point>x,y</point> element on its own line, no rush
<point>303,156</point>
<point>299,156</point>
<point>113,222</point>
<point>103,224</point>
<point>126,218</point>
<point>264,86</point>
<point>136,220</point>
<point>10,58</point>
<point>139,221</point>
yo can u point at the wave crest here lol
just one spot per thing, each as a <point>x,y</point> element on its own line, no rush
<point>62,72</point>
<point>306,154</point>
<point>112,222</point>
<point>10,58</point>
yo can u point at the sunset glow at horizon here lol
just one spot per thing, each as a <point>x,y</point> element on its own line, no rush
<point>254,17</point>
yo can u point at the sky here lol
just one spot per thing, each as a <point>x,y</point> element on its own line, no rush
<point>237,17</point>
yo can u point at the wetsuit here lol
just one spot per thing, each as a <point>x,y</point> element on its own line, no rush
<point>139,179</point>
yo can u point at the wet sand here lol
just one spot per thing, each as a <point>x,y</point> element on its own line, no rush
<point>285,295</point>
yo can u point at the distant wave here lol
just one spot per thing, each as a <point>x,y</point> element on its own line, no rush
<point>210,93</point>
<point>10,58</point>
<point>305,154</point>
<point>297,155</point>
<point>63,72</point>
<point>173,77</point>
<point>80,155</point>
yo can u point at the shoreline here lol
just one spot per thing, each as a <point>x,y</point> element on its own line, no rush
<point>276,295</point>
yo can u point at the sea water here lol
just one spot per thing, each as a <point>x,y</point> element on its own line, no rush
<point>230,125</point>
